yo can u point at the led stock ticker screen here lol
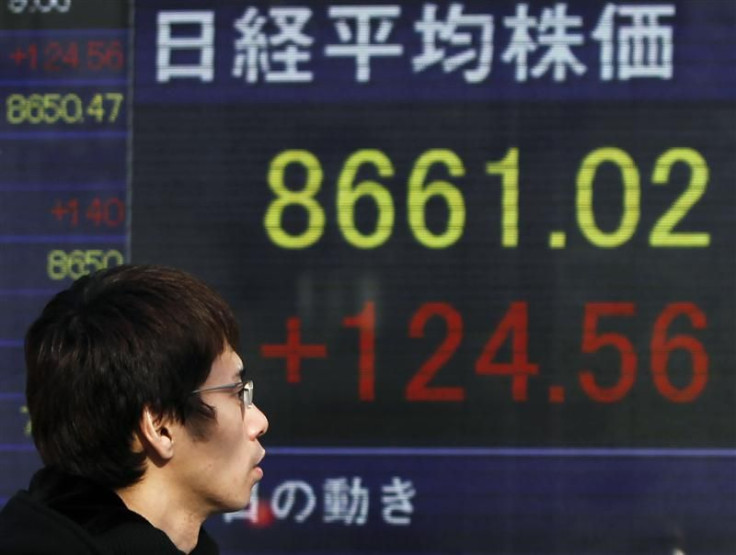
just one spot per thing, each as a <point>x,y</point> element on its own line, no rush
<point>482,253</point>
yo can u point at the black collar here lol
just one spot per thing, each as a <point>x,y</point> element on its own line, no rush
<point>104,516</point>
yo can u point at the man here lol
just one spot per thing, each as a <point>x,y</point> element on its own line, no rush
<point>141,414</point>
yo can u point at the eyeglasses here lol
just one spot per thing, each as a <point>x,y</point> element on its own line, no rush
<point>243,389</point>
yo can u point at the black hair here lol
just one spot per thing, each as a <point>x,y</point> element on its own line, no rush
<point>112,344</point>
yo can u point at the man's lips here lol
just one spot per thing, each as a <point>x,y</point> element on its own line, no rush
<point>258,462</point>
<point>257,469</point>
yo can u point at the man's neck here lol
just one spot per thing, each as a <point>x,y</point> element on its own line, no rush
<point>156,504</point>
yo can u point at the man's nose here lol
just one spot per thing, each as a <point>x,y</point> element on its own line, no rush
<point>258,423</point>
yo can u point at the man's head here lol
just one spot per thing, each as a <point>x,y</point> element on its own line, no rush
<point>112,364</point>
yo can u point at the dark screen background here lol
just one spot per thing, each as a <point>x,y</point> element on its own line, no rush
<point>212,191</point>
<point>392,436</point>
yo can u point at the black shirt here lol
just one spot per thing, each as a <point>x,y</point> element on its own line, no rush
<point>62,514</point>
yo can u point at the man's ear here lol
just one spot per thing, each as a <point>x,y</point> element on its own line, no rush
<point>156,434</point>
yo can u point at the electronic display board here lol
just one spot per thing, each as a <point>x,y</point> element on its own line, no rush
<point>63,177</point>
<point>483,253</point>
